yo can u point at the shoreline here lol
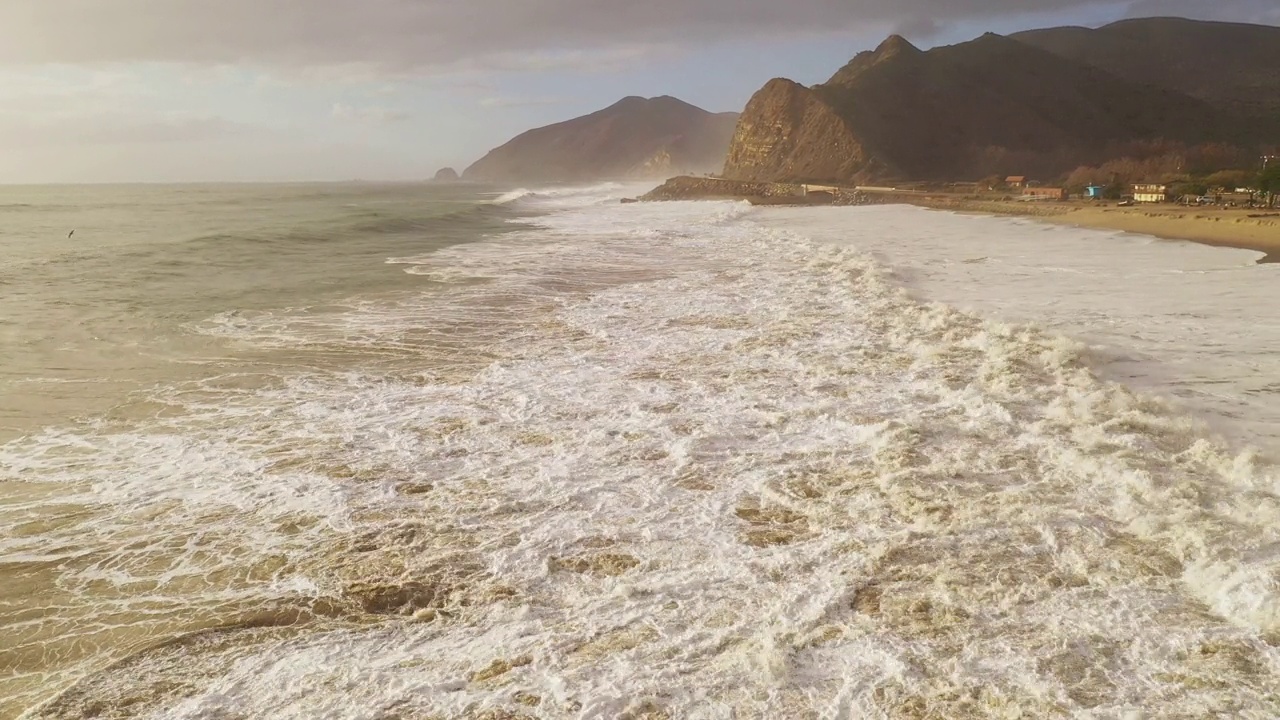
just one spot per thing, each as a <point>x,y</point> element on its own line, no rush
<point>1253,229</point>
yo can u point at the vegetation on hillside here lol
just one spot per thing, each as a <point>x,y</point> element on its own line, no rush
<point>1186,171</point>
<point>1269,182</point>
<point>1035,104</point>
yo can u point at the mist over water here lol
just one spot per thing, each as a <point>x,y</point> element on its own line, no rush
<point>659,460</point>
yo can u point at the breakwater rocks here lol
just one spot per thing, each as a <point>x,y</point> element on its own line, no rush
<point>758,193</point>
<point>706,188</point>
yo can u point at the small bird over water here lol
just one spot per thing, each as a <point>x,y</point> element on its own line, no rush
<point>73,232</point>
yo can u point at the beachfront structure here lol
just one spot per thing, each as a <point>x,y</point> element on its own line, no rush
<point>1150,193</point>
<point>1044,193</point>
<point>1016,181</point>
<point>1094,192</point>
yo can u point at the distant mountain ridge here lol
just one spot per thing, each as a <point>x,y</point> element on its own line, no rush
<point>1232,65</point>
<point>1037,103</point>
<point>634,138</point>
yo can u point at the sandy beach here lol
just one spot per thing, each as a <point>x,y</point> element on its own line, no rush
<point>1244,228</point>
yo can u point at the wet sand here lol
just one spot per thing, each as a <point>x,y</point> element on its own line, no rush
<point>1247,229</point>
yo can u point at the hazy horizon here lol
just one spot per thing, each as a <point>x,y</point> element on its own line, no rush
<point>388,91</point>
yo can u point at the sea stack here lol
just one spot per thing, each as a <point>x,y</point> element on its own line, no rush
<point>446,175</point>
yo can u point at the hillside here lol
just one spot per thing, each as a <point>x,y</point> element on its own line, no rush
<point>994,105</point>
<point>1232,65</point>
<point>634,138</point>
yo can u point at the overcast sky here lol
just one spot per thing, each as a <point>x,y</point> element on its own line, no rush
<point>187,90</point>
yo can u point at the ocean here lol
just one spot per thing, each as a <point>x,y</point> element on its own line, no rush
<point>419,451</point>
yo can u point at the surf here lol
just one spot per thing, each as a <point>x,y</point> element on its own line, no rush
<point>668,458</point>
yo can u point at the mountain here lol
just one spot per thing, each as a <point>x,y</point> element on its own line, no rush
<point>994,105</point>
<point>1232,65</point>
<point>446,175</point>
<point>634,138</point>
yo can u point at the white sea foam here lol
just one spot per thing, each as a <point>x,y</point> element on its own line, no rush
<point>512,196</point>
<point>663,459</point>
<point>568,196</point>
<point>1182,320</point>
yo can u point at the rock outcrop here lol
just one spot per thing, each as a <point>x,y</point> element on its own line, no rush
<point>705,188</point>
<point>445,175</point>
<point>757,193</point>
<point>991,106</point>
<point>789,133</point>
<point>636,138</point>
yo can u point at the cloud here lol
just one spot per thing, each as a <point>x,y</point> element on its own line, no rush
<point>56,106</point>
<point>374,114</point>
<point>921,28</point>
<point>418,35</point>
<point>120,128</point>
<point>70,87</point>
<point>595,60</point>
<point>501,101</point>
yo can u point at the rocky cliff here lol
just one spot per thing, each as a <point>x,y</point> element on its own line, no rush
<point>788,132</point>
<point>994,105</point>
<point>634,138</point>
<point>757,193</point>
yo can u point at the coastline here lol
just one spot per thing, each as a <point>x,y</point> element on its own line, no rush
<point>1241,228</point>
<point>1244,229</point>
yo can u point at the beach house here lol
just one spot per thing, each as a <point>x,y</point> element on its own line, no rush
<point>1044,193</point>
<point>1150,193</point>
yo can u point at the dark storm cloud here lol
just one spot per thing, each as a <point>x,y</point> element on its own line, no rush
<point>422,33</point>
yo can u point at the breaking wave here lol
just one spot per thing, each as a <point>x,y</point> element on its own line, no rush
<point>569,196</point>
<point>658,461</point>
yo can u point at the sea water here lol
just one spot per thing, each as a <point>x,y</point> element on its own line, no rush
<point>543,455</point>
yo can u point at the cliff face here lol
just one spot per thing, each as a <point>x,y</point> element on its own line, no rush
<point>634,138</point>
<point>990,106</point>
<point>788,132</point>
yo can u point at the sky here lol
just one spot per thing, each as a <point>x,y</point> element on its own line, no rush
<point>282,90</point>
